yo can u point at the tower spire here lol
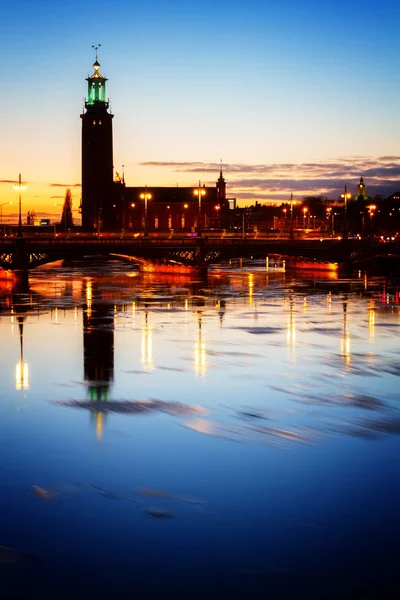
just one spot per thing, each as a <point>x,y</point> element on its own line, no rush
<point>221,186</point>
<point>96,48</point>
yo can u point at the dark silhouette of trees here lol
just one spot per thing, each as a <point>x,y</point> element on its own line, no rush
<point>67,221</point>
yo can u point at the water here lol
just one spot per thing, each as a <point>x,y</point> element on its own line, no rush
<point>236,436</point>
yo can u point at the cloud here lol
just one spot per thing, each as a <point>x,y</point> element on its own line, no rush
<point>65,185</point>
<point>276,180</point>
<point>388,158</point>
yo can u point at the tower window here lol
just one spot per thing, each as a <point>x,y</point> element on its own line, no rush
<point>94,122</point>
<point>100,122</point>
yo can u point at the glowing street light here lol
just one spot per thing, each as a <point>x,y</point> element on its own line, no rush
<point>19,186</point>
<point>305,211</point>
<point>291,215</point>
<point>145,196</point>
<point>346,196</point>
<point>199,192</point>
<point>371,210</point>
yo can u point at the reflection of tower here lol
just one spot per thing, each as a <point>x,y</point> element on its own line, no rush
<point>22,369</point>
<point>97,156</point>
<point>98,344</point>
<point>147,343</point>
<point>98,349</point>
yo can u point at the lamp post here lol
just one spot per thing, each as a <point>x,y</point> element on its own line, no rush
<point>19,186</point>
<point>291,215</point>
<point>145,196</point>
<point>199,192</point>
<point>371,209</point>
<point>328,216</point>
<point>346,196</point>
<point>305,210</point>
<point>1,211</point>
<point>217,209</point>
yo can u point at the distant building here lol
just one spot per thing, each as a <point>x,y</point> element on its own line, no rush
<point>107,203</point>
<point>361,191</point>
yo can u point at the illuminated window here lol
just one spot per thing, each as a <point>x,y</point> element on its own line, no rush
<point>94,122</point>
<point>183,222</point>
<point>156,223</point>
<point>100,122</point>
<point>170,222</point>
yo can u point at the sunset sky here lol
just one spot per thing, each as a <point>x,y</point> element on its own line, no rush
<point>297,96</point>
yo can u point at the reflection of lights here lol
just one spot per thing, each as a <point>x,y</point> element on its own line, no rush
<point>291,328</point>
<point>22,375</point>
<point>371,320</point>
<point>345,348</point>
<point>186,305</point>
<point>304,304</point>
<point>251,286</point>
<point>89,297</point>
<point>329,302</point>
<point>200,365</point>
<point>22,369</point>
<point>147,345</point>
<point>99,426</point>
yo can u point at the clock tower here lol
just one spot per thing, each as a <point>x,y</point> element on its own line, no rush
<point>97,156</point>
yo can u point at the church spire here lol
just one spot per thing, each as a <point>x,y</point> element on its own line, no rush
<point>221,186</point>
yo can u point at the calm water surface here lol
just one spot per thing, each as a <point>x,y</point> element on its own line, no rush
<point>237,436</point>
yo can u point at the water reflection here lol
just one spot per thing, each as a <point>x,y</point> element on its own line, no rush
<point>225,375</point>
<point>345,339</point>
<point>147,343</point>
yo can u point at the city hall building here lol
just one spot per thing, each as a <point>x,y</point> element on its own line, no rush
<point>109,204</point>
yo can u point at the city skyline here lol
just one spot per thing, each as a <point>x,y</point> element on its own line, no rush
<point>292,97</point>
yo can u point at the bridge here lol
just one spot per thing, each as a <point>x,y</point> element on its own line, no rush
<point>25,253</point>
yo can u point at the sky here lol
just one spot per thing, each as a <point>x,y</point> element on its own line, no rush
<point>297,96</point>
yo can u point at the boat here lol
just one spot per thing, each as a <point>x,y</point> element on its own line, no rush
<point>6,275</point>
<point>172,268</point>
<point>298,262</point>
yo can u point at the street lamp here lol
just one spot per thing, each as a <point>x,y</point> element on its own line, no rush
<point>1,211</point>
<point>371,209</point>
<point>217,209</point>
<point>19,186</point>
<point>305,211</point>
<point>328,216</point>
<point>199,193</point>
<point>291,215</point>
<point>145,196</point>
<point>346,196</point>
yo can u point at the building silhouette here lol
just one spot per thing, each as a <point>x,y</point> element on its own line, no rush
<point>97,155</point>
<point>108,204</point>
